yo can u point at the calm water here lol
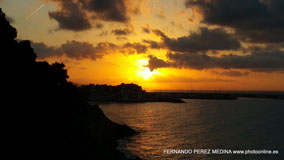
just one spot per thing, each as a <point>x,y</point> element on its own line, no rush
<point>202,124</point>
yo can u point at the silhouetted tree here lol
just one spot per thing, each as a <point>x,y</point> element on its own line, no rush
<point>7,32</point>
<point>46,116</point>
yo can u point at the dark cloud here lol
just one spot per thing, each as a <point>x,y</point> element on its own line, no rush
<point>138,47</point>
<point>71,16</point>
<point>77,15</point>
<point>122,32</point>
<point>256,47</point>
<point>44,51</point>
<point>155,63</point>
<point>79,50</point>
<point>205,40</point>
<point>256,61</point>
<point>74,49</point>
<point>254,20</point>
<point>146,29</point>
<point>109,10</point>
<point>231,73</point>
<point>84,50</point>
<point>154,44</point>
<point>159,33</point>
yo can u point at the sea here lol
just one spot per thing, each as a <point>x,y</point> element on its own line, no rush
<point>202,129</point>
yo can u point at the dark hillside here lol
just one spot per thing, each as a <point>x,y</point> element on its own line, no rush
<point>45,115</point>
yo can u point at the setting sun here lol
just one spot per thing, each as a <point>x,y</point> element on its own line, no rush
<point>143,71</point>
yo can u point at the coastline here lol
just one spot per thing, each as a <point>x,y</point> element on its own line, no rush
<point>200,95</point>
<point>177,97</point>
<point>106,135</point>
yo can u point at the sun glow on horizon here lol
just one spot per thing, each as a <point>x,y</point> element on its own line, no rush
<point>143,71</point>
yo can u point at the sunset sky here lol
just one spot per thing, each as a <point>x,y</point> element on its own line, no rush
<point>158,44</point>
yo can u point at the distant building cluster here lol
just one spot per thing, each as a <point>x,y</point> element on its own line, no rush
<point>122,92</point>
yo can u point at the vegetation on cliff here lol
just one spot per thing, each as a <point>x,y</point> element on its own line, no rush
<point>48,117</point>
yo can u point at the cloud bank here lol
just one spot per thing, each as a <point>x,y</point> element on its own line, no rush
<point>74,49</point>
<point>258,21</point>
<point>257,61</point>
<point>203,41</point>
<point>84,50</point>
<point>78,15</point>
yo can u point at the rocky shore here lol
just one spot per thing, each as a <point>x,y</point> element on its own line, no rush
<point>105,135</point>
